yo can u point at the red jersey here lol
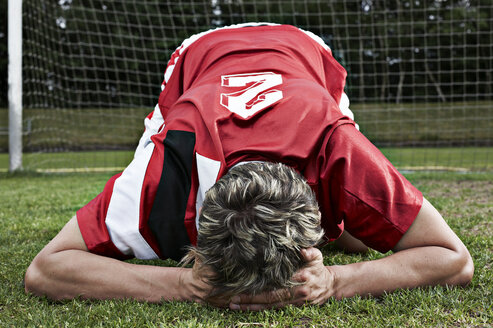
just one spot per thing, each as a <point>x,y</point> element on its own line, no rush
<point>252,92</point>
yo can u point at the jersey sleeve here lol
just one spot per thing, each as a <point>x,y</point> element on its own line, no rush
<point>363,193</point>
<point>92,224</point>
<point>141,212</point>
<point>111,224</point>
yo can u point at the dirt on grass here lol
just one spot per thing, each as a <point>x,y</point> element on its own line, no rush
<point>461,200</point>
<point>470,192</point>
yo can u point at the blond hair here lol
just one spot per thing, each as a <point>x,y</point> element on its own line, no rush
<point>253,224</point>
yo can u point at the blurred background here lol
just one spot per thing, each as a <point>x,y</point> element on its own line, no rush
<point>419,74</point>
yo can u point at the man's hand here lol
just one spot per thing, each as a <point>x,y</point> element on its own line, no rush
<point>197,286</point>
<point>316,287</point>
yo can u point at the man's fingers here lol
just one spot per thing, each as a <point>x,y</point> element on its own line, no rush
<point>301,276</point>
<point>297,295</point>
<point>256,307</point>
<point>259,307</point>
<point>219,302</point>
<point>262,306</point>
<point>272,300</point>
<point>311,254</point>
<point>266,297</point>
<point>271,297</point>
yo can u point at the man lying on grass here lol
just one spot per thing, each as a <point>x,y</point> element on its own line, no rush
<point>236,103</point>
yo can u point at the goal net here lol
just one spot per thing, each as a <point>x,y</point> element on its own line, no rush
<point>419,73</point>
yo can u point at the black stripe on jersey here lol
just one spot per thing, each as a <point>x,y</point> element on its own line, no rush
<point>166,220</point>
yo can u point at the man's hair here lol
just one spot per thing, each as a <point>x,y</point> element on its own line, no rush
<point>252,226</point>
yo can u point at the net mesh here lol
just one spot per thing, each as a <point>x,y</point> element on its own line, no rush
<point>419,72</point>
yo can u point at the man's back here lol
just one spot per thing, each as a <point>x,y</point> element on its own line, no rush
<point>255,93</point>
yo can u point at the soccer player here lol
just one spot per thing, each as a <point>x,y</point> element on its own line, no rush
<point>256,116</point>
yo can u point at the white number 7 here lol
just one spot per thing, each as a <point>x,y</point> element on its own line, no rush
<point>253,98</point>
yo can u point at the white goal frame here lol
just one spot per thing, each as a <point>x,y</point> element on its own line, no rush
<point>84,74</point>
<point>15,84</point>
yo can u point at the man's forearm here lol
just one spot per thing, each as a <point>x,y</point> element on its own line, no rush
<point>73,273</point>
<point>429,253</point>
<point>423,266</point>
<point>65,269</point>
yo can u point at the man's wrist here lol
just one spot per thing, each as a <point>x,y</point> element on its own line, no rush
<point>334,286</point>
<point>165,284</point>
<point>186,288</point>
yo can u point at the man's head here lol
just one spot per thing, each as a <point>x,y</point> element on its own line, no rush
<point>253,224</point>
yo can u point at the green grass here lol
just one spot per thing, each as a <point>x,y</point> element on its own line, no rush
<point>418,124</point>
<point>454,135</point>
<point>426,124</point>
<point>33,207</point>
<point>432,159</point>
<point>75,129</point>
<point>84,159</point>
<point>452,158</point>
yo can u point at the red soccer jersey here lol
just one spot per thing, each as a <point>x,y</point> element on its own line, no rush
<point>248,93</point>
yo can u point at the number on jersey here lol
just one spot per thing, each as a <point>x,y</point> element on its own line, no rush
<point>256,92</point>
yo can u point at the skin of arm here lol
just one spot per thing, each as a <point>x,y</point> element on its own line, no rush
<point>348,243</point>
<point>65,269</point>
<point>429,253</point>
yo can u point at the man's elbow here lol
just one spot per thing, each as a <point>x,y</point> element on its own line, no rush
<point>32,278</point>
<point>36,279</point>
<point>464,268</point>
<point>467,272</point>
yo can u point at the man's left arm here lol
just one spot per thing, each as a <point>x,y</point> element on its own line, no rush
<point>428,254</point>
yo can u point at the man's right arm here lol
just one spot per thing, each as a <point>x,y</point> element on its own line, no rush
<point>349,244</point>
<point>65,269</point>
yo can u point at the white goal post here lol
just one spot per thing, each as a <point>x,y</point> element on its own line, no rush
<point>15,84</point>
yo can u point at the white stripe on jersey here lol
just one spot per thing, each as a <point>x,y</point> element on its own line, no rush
<point>208,170</point>
<point>245,162</point>
<point>316,38</point>
<point>187,42</point>
<point>152,126</point>
<point>344,107</point>
<point>122,218</point>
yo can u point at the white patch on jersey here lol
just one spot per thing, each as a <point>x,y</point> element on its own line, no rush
<point>254,97</point>
<point>316,38</point>
<point>152,126</point>
<point>122,218</point>
<point>208,170</point>
<point>344,107</point>
<point>246,162</point>
<point>197,36</point>
<point>187,42</point>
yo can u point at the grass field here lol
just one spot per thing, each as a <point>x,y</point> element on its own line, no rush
<point>33,207</point>
<point>410,124</point>
<point>420,159</point>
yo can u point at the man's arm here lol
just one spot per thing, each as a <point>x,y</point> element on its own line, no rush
<point>348,243</point>
<point>429,253</point>
<point>65,269</point>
